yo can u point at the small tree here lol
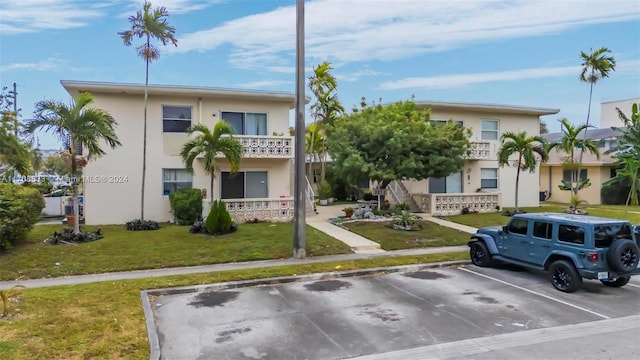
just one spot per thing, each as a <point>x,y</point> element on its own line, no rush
<point>627,153</point>
<point>208,144</point>
<point>525,148</point>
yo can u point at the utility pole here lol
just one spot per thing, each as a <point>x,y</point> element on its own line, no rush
<point>14,97</point>
<point>299,220</point>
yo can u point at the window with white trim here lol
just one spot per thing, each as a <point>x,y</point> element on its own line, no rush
<point>246,123</point>
<point>460,123</point>
<point>175,179</point>
<point>489,129</point>
<point>489,178</point>
<point>176,119</point>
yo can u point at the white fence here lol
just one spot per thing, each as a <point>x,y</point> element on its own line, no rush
<point>54,206</point>
<point>451,204</point>
<point>243,210</point>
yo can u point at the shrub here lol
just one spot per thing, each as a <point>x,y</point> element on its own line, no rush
<point>142,225</point>
<point>324,190</point>
<point>615,192</point>
<point>20,208</point>
<point>186,205</point>
<point>219,221</point>
<point>406,221</point>
<point>348,211</point>
<point>368,195</point>
<point>44,187</point>
<point>68,236</point>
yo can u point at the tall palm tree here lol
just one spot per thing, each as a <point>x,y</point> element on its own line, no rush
<point>525,147</point>
<point>313,146</point>
<point>595,66</point>
<point>208,144</point>
<point>148,24</point>
<point>568,144</point>
<point>76,125</point>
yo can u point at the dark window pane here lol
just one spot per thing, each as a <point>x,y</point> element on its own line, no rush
<point>236,120</point>
<point>518,226</point>
<point>176,112</point>
<point>255,124</point>
<point>571,234</point>
<point>542,230</point>
<point>232,186</point>
<point>175,126</point>
<point>489,183</point>
<point>567,174</point>
<point>604,235</point>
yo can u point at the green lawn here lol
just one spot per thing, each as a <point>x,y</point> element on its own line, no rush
<point>170,246</point>
<point>106,321</point>
<point>389,239</point>
<point>631,213</point>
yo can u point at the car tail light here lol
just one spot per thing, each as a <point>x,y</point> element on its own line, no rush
<point>592,257</point>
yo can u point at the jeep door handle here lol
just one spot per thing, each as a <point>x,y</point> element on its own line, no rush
<point>524,241</point>
<point>546,246</point>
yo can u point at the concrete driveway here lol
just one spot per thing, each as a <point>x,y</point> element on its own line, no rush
<point>458,312</point>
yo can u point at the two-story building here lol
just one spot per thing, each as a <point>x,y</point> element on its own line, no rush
<point>113,183</point>
<point>481,185</point>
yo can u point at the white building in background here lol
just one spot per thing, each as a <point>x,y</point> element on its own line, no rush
<point>262,189</point>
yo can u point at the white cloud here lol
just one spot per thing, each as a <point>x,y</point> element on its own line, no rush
<point>264,83</point>
<point>362,30</point>
<point>173,6</point>
<point>458,80</point>
<point>44,65</point>
<point>350,77</point>
<point>35,15</point>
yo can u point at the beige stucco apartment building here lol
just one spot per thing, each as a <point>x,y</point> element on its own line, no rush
<point>481,185</point>
<point>263,189</point>
<point>597,170</point>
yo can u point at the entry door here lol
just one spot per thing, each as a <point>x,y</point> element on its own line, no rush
<point>450,184</point>
<point>231,185</point>
<point>257,185</point>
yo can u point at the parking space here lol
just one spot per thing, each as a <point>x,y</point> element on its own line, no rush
<point>353,316</point>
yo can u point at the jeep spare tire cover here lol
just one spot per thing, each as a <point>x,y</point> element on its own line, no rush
<point>623,256</point>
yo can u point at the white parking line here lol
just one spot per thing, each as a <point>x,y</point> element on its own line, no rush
<point>634,285</point>
<point>535,293</point>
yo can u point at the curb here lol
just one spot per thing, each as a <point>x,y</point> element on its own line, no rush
<point>154,341</point>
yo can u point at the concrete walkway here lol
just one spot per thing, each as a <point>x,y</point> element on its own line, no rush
<point>450,224</point>
<point>140,274</point>
<point>357,243</point>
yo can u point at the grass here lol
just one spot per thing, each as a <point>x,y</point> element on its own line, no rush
<point>106,320</point>
<point>631,213</point>
<point>389,239</point>
<point>170,246</point>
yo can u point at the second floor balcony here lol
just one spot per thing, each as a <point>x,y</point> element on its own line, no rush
<point>266,146</point>
<point>482,150</point>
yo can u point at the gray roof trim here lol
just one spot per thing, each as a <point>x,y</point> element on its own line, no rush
<point>592,134</point>
<point>509,109</point>
<point>155,89</point>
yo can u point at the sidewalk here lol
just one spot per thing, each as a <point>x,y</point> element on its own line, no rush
<point>357,243</point>
<point>140,274</point>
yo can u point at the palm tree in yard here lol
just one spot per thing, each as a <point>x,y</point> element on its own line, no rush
<point>525,148</point>
<point>568,144</point>
<point>208,144</point>
<point>149,25</point>
<point>595,66</point>
<point>76,125</point>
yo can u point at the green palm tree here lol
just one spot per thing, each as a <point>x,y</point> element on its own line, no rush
<point>14,154</point>
<point>208,144</point>
<point>568,143</point>
<point>76,125</point>
<point>525,147</point>
<point>313,146</point>
<point>595,66</point>
<point>627,153</point>
<point>36,160</point>
<point>148,24</point>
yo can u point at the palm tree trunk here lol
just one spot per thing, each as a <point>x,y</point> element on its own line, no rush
<point>584,138</point>
<point>632,199</point>
<point>144,134</point>
<point>76,207</point>
<point>518,181</point>
<point>211,187</point>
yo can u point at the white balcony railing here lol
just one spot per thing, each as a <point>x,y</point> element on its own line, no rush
<point>481,150</point>
<point>243,210</point>
<point>262,146</point>
<point>451,204</point>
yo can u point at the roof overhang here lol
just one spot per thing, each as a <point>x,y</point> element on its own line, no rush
<point>74,87</point>
<point>487,108</point>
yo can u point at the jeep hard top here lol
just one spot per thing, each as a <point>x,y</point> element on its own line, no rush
<point>570,247</point>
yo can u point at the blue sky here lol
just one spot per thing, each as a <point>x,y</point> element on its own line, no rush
<point>507,52</point>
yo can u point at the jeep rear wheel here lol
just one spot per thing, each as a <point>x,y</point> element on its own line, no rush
<point>480,254</point>
<point>623,256</point>
<point>619,282</point>
<point>564,276</point>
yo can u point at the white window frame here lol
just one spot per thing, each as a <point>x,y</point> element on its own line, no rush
<point>483,130</point>
<point>174,181</point>
<point>497,179</point>
<point>190,119</point>
<point>245,180</point>
<point>444,122</point>
<point>244,119</point>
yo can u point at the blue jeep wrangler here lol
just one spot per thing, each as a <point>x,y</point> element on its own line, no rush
<point>570,247</point>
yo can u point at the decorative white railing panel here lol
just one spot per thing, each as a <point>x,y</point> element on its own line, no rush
<point>481,150</point>
<point>310,201</point>
<point>451,204</point>
<point>243,210</point>
<point>423,201</point>
<point>262,146</point>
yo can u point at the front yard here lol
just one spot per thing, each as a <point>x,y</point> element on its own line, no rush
<point>170,246</point>
<point>631,213</point>
<point>431,235</point>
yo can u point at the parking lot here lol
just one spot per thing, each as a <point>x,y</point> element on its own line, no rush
<point>415,314</point>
